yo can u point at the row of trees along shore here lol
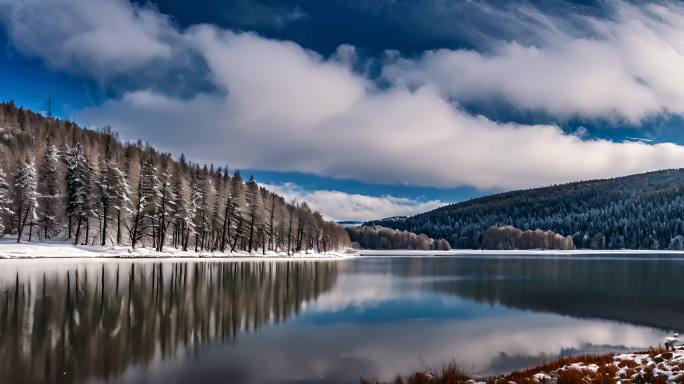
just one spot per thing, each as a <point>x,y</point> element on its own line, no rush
<point>377,237</point>
<point>59,181</point>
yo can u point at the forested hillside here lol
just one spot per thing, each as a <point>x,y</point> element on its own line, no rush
<point>644,211</point>
<point>59,181</point>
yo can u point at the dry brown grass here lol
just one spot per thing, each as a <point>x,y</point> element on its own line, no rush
<point>526,376</point>
<point>449,374</point>
<point>607,372</point>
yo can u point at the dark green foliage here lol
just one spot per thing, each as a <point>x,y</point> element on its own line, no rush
<point>644,211</point>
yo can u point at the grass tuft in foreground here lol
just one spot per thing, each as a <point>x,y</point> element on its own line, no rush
<point>655,366</point>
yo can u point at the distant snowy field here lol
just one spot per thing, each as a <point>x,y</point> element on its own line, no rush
<point>10,249</point>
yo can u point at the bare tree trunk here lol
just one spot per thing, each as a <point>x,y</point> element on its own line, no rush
<point>270,235</point>
<point>237,234</point>
<point>104,225</point>
<point>251,231</point>
<point>22,223</point>
<point>289,236</point>
<point>78,231</point>
<point>87,234</point>
<point>118,227</point>
<point>45,233</point>
<point>226,226</point>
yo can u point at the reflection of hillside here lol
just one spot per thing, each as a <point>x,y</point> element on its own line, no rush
<point>633,291</point>
<point>97,320</point>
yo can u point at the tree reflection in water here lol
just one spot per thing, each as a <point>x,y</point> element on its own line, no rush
<point>96,319</point>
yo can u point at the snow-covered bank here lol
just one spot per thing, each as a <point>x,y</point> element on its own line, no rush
<point>655,366</point>
<point>10,249</point>
<point>521,252</point>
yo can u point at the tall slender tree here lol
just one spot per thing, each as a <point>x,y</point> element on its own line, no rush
<point>26,197</point>
<point>255,207</point>
<point>167,207</point>
<point>5,201</point>
<point>113,194</point>
<point>49,188</point>
<point>78,185</point>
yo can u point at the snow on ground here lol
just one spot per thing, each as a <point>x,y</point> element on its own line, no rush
<point>656,366</point>
<point>10,249</point>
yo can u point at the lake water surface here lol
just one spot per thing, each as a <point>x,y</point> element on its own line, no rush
<point>124,321</point>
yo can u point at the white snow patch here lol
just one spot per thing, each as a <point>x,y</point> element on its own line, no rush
<point>10,249</point>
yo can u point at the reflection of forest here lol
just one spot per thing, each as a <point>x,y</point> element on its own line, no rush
<point>95,320</point>
<point>639,292</point>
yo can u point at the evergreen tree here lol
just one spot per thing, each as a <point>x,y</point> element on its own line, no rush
<point>26,197</point>
<point>78,186</point>
<point>237,207</point>
<point>5,201</point>
<point>254,209</point>
<point>182,218</point>
<point>167,208</point>
<point>146,204</point>
<point>49,189</point>
<point>204,201</point>
<point>113,193</point>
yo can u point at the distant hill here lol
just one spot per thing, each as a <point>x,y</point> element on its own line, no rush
<point>643,211</point>
<point>349,223</point>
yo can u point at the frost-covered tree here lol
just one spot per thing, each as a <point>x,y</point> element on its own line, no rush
<point>5,201</point>
<point>202,189</point>
<point>113,194</point>
<point>237,207</point>
<point>78,186</point>
<point>167,207</point>
<point>26,197</point>
<point>49,188</point>
<point>182,218</point>
<point>100,177</point>
<point>145,204</point>
<point>254,209</point>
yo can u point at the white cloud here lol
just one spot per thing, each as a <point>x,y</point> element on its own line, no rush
<point>632,68</point>
<point>336,205</point>
<point>281,107</point>
<point>92,37</point>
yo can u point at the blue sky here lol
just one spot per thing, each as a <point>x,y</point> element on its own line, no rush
<point>366,109</point>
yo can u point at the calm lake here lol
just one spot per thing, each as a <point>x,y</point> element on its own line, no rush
<point>93,321</point>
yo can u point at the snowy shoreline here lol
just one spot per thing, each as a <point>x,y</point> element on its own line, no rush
<point>11,250</point>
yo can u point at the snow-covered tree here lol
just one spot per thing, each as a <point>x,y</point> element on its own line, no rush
<point>146,204</point>
<point>167,207</point>
<point>202,188</point>
<point>92,182</point>
<point>237,207</point>
<point>254,209</point>
<point>182,218</point>
<point>26,197</point>
<point>5,201</point>
<point>113,194</point>
<point>49,188</point>
<point>78,186</point>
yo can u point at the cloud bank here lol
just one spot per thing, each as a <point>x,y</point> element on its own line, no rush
<point>275,105</point>
<point>338,206</point>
